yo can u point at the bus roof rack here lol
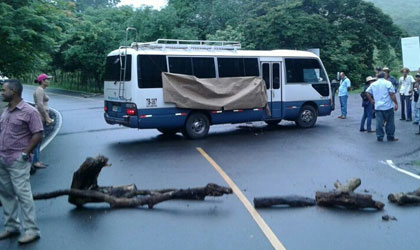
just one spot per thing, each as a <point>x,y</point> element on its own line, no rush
<point>189,44</point>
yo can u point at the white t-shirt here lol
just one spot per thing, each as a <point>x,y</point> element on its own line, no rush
<point>405,85</point>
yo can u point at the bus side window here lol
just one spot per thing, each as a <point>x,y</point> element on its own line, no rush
<point>276,75</point>
<point>180,65</point>
<point>266,74</point>
<point>150,70</point>
<point>230,67</point>
<point>251,67</point>
<point>203,67</point>
<point>304,71</point>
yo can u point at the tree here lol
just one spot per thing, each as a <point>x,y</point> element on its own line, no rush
<point>92,36</point>
<point>346,31</point>
<point>28,32</point>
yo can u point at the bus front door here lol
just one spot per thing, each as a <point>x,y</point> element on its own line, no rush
<point>271,72</point>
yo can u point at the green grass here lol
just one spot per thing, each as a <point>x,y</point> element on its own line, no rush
<point>416,163</point>
<point>64,86</point>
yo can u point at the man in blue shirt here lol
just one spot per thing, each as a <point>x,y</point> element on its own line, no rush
<point>385,104</point>
<point>343,94</point>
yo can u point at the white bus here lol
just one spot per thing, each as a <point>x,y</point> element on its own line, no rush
<point>298,87</point>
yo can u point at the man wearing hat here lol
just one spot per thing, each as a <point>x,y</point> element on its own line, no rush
<point>367,107</point>
<point>406,89</point>
<point>390,78</point>
<point>382,94</point>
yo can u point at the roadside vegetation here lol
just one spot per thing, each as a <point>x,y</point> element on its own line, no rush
<point>405,14</point>
<point>71,38</point>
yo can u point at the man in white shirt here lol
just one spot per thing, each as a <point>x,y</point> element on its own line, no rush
<point>406,90</point>
<point>385,104</point>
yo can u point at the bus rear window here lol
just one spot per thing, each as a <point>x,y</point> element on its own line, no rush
<point>150,70</point>
<point>304,71</point>
<point>113,67</point>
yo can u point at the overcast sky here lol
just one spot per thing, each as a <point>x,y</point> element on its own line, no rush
<point>157,4</point>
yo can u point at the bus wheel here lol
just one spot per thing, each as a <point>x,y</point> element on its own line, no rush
<point>307,117</point>
<point>272,122</point>
<point>168,131</point>
<point>197,126</point>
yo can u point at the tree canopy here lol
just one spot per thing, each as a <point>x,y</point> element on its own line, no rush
<point>405,14</point>
<point>76,35</point>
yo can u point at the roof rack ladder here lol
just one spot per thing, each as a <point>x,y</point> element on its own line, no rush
<point>122,51</point>
<point>123,66</point>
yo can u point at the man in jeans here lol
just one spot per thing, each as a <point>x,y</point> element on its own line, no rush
<point>343,94</point>
<point>20,131</point>
<point>383,96</point>
<point>416,91</point>
<point>406,89</point>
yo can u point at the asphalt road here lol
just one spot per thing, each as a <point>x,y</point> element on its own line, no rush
<point>261,160</point>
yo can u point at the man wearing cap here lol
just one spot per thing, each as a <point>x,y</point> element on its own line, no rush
<point>406,89</point>
<point>343,95</point>
<point>382,94</point>
<point>367,107</point>
<point>390,78</point>
<point>20,131</point>
<point>416,99</point>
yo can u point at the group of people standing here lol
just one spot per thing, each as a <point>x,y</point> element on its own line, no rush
<point>21,133</point>
<point>379,98</point>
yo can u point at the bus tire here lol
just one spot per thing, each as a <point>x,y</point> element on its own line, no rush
<point>307,117</point>
<point>272,122</point>
<point>168,131</point>
<point>197,126</point>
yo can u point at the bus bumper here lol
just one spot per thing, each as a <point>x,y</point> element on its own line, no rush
<point>127,121</point>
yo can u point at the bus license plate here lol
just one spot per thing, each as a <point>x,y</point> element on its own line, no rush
<point>115,108</point>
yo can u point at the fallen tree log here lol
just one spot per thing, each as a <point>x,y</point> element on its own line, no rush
<point>84,189</point>
<point>344,196</point>
<point>150,200</point>
<point>410,198</point>
<point>291,201</point>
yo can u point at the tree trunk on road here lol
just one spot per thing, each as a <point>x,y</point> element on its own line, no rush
<point>292,201</point>
<point>410,198</point>
<point>85,189</point>
<point>344,196</point>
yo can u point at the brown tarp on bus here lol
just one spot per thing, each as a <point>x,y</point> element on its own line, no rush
<point>187,91</point>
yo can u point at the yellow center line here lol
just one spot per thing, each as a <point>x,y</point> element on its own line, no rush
<point>275,242</point>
